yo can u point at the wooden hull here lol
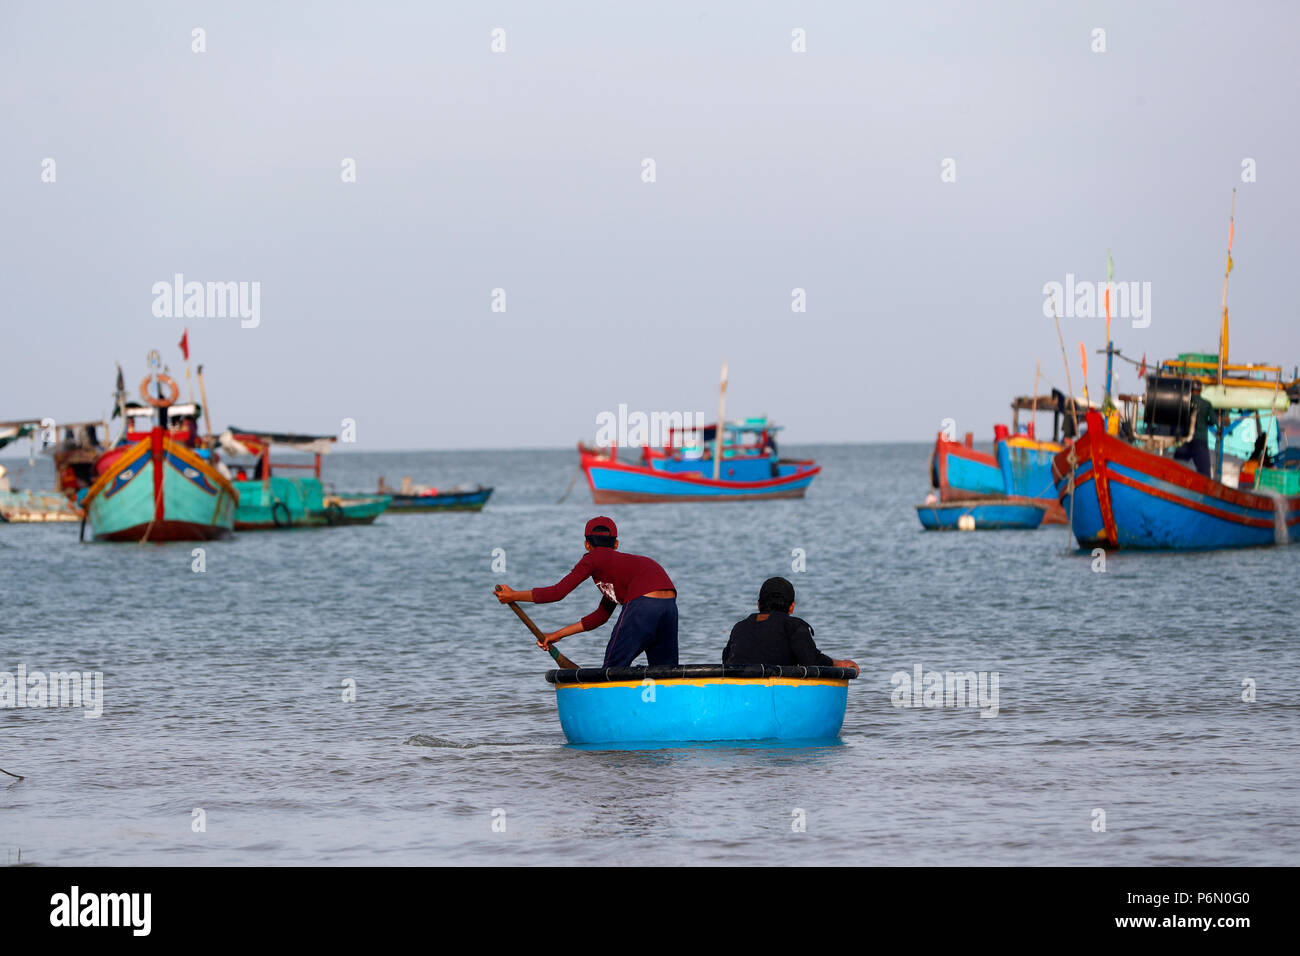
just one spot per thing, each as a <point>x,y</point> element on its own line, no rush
<point>1128,499</point>
<point>167,531</point>
<point>615,482</point>
<point>159,490</point>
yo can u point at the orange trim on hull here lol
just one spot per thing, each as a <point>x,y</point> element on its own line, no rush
<point>122,464</point>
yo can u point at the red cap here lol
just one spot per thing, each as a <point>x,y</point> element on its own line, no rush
<point>599,521</point>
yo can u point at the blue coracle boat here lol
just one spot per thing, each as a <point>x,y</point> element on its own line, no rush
<point>700,702</point>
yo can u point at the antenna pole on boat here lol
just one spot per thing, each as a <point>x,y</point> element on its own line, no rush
<point>1223,331</point>
<point>1074,417</point>
<point>207,416</point>
<point>1106,404</point>
<point>1033,415</point>
<point>718,432</point>
<point>1223,334</point>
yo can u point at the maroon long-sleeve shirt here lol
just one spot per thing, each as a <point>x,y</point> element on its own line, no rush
<point>621,577</point>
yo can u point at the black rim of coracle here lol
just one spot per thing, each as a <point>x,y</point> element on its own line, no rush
<point>604,675</point>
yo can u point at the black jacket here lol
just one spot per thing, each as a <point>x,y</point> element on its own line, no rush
<point>781,639</point>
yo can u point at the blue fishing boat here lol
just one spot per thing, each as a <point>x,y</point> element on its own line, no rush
<point>1020,466</point>
<point>748,468</point>
<point>1122,497</point>
<point>1124,487</point>
<point>982,514</point>
<point>959,471</point>
<point>700,702</point>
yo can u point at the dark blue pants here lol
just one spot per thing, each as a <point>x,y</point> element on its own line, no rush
<point>1198,452</point>
<point>645,624</point>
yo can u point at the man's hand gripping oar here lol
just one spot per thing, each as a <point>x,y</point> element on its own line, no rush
<point>550,648</point>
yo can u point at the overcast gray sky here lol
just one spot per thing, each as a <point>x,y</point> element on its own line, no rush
<point>522,170</point>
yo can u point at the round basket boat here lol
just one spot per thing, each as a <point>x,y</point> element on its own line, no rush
<point>691,702</point>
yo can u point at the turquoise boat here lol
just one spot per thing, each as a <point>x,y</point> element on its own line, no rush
<point>277,502</point>
<point>700,702</point>
<point>158,489</point>
<point>355,509</point>
<point>158,485</point>
<point>269,500</point>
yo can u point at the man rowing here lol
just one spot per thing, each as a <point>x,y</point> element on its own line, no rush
<point>648,621</point>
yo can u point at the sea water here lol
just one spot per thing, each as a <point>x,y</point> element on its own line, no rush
<point>356,695</point>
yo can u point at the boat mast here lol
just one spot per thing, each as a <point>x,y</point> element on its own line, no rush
<point>1223,337</point>
<point>717,432</point>
<point>207,417</point>
<point>1106,404</point>
<point>1033,415</point>
<point>1223,331</point>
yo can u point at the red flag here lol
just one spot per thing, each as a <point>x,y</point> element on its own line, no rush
<point>1142,372</point>
<point>185,345</point>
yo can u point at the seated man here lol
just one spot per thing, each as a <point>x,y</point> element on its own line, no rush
<point>772,636</point>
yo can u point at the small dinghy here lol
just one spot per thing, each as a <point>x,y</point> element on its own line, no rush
<point>696,702</point>
<point>983,514</point>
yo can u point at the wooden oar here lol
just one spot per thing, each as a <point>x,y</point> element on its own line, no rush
<point>537,633</point>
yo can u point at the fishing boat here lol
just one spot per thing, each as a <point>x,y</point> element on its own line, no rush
<point>159,485</point>
<point>700,702</point>
<point>35,507</point>
<point>414,499</point>
<point>1124,489</point>
<point>747,467</point>
<point>983,514</point>
<point>355,509</point>
<point>18,506</point>
<point>1121,496</point>
<point>269,500</point>
<point>1020,466</point>
<point>960,472</point>
<point>725,461</point>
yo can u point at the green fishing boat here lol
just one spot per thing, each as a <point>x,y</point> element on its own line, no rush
<point>270,499</point>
